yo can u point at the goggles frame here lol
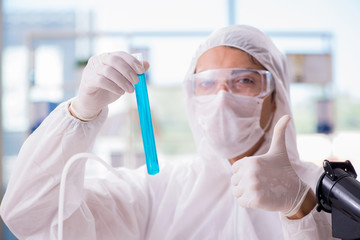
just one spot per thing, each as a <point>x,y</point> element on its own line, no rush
<point>257,83</point>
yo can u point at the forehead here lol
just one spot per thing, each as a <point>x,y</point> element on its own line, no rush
<point>226,57</point>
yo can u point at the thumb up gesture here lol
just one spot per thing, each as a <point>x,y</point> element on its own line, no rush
<point>268,181</point>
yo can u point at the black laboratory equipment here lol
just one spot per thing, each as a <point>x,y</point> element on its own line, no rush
<point>338,193</point>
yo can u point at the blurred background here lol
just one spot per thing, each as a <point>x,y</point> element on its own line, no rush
<point>46,44</point>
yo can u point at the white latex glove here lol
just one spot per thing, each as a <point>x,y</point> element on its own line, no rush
<point>268,181</point>
<point>105,78</point>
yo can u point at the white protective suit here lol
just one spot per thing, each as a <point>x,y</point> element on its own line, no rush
<point>186,200</point>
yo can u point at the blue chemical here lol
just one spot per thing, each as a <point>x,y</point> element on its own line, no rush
<point>147,131</point>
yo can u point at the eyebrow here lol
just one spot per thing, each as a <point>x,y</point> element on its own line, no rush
<point>234,71</point>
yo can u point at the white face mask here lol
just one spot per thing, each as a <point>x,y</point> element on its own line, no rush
<point>230,123</point>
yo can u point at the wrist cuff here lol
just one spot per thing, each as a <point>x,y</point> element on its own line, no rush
<point>76,114</point>
<point>296,208</point>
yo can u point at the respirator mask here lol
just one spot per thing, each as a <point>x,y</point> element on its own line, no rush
<point>227,104</point>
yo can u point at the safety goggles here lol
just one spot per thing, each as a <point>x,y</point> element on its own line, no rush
<point>240,81</point>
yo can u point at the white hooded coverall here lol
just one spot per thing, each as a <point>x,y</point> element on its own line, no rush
<point>186,200</point>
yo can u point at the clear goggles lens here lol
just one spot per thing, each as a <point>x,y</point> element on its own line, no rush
<point>240,81</point>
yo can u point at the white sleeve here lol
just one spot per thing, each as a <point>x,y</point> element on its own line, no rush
<point>29,207</point>
<point>314,226</point>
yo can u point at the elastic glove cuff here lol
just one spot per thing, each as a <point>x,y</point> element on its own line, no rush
<point>76,113</point>
<point>302,197</point>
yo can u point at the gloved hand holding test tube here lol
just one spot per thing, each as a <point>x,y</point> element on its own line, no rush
<point>146,126</point>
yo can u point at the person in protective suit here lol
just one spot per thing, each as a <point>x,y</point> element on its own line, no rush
<point>246,182</point>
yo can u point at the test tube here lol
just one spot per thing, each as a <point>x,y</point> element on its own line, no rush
<point>146,126</point>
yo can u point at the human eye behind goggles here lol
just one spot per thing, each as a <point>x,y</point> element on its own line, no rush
<point>245,82</point>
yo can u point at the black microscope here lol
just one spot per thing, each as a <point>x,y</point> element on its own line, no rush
<point>338,193</point>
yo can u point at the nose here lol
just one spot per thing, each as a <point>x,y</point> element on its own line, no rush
<point>223,86</point>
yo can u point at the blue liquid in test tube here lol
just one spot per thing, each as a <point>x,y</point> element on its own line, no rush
<point>146,126</point>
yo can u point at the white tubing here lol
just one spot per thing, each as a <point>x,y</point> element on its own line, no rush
<point>76,157</point>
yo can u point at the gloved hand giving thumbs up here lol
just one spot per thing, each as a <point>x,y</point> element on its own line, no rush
<point>268,181</point>
<point>105,78</point>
